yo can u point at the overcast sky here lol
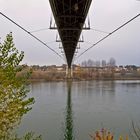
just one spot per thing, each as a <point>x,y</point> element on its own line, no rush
<point>105,15</point>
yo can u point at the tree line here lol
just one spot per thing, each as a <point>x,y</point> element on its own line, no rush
<point>98,63</point>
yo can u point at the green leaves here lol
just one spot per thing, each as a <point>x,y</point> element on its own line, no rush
<point>9,55</point>
<point>13,89</point>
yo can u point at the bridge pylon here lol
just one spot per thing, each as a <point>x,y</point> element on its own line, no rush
<point>69,72</point>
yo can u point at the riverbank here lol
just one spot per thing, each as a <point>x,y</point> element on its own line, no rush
<point>80,75</point>
<point>77,79</point>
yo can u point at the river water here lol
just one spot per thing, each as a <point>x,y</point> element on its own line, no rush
<point>72,111</point>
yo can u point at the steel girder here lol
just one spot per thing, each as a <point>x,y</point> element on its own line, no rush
<point>70,17</point>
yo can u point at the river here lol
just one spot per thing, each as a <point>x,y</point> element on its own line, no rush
<point>72,111</point>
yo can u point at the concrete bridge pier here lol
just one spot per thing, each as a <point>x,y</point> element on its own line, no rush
<point>69,73</point>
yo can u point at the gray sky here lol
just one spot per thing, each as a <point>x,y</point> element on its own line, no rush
<point>104,15</point>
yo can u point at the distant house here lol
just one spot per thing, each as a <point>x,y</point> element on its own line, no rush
<point>76,67</point>
<point>138,69</point>
<point>59,68</point>
<point>51,68</point>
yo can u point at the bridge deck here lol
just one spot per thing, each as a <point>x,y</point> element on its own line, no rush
<point>70,16</point>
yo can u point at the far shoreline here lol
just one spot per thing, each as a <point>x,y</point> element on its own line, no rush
<point>78,80</point>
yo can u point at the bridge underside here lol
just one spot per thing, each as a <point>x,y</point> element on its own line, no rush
<point>70,17</point>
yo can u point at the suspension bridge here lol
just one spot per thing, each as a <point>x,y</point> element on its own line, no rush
<point>70,17</point>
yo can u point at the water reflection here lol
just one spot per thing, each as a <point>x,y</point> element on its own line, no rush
<point>88,105</point>
<point>104,91</point>
<point>68,135</point>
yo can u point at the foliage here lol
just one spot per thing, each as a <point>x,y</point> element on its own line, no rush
<point>28,136</point>
<point>97,63</point>
<point>136,131</point>
<point>13,89</point>
<point>103,134</point>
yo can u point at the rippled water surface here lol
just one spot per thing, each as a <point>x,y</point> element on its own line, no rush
<point>65,111</point>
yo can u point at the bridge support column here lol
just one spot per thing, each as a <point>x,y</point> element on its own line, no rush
<point>69,73</point>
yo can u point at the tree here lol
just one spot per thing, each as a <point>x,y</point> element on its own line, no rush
<point>90,63</point>
<point>84,64</point>
<point>112,62</point>
<point>103,63</point>
<point>13,89</point>
<point>97,63</point>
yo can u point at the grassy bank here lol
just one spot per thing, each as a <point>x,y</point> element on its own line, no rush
<point>43,76</point>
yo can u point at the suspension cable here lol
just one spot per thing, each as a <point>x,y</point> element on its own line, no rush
<point>42,29</point>
<point>97,30</point>
<point>108,35</point>
<point>31,35</point>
